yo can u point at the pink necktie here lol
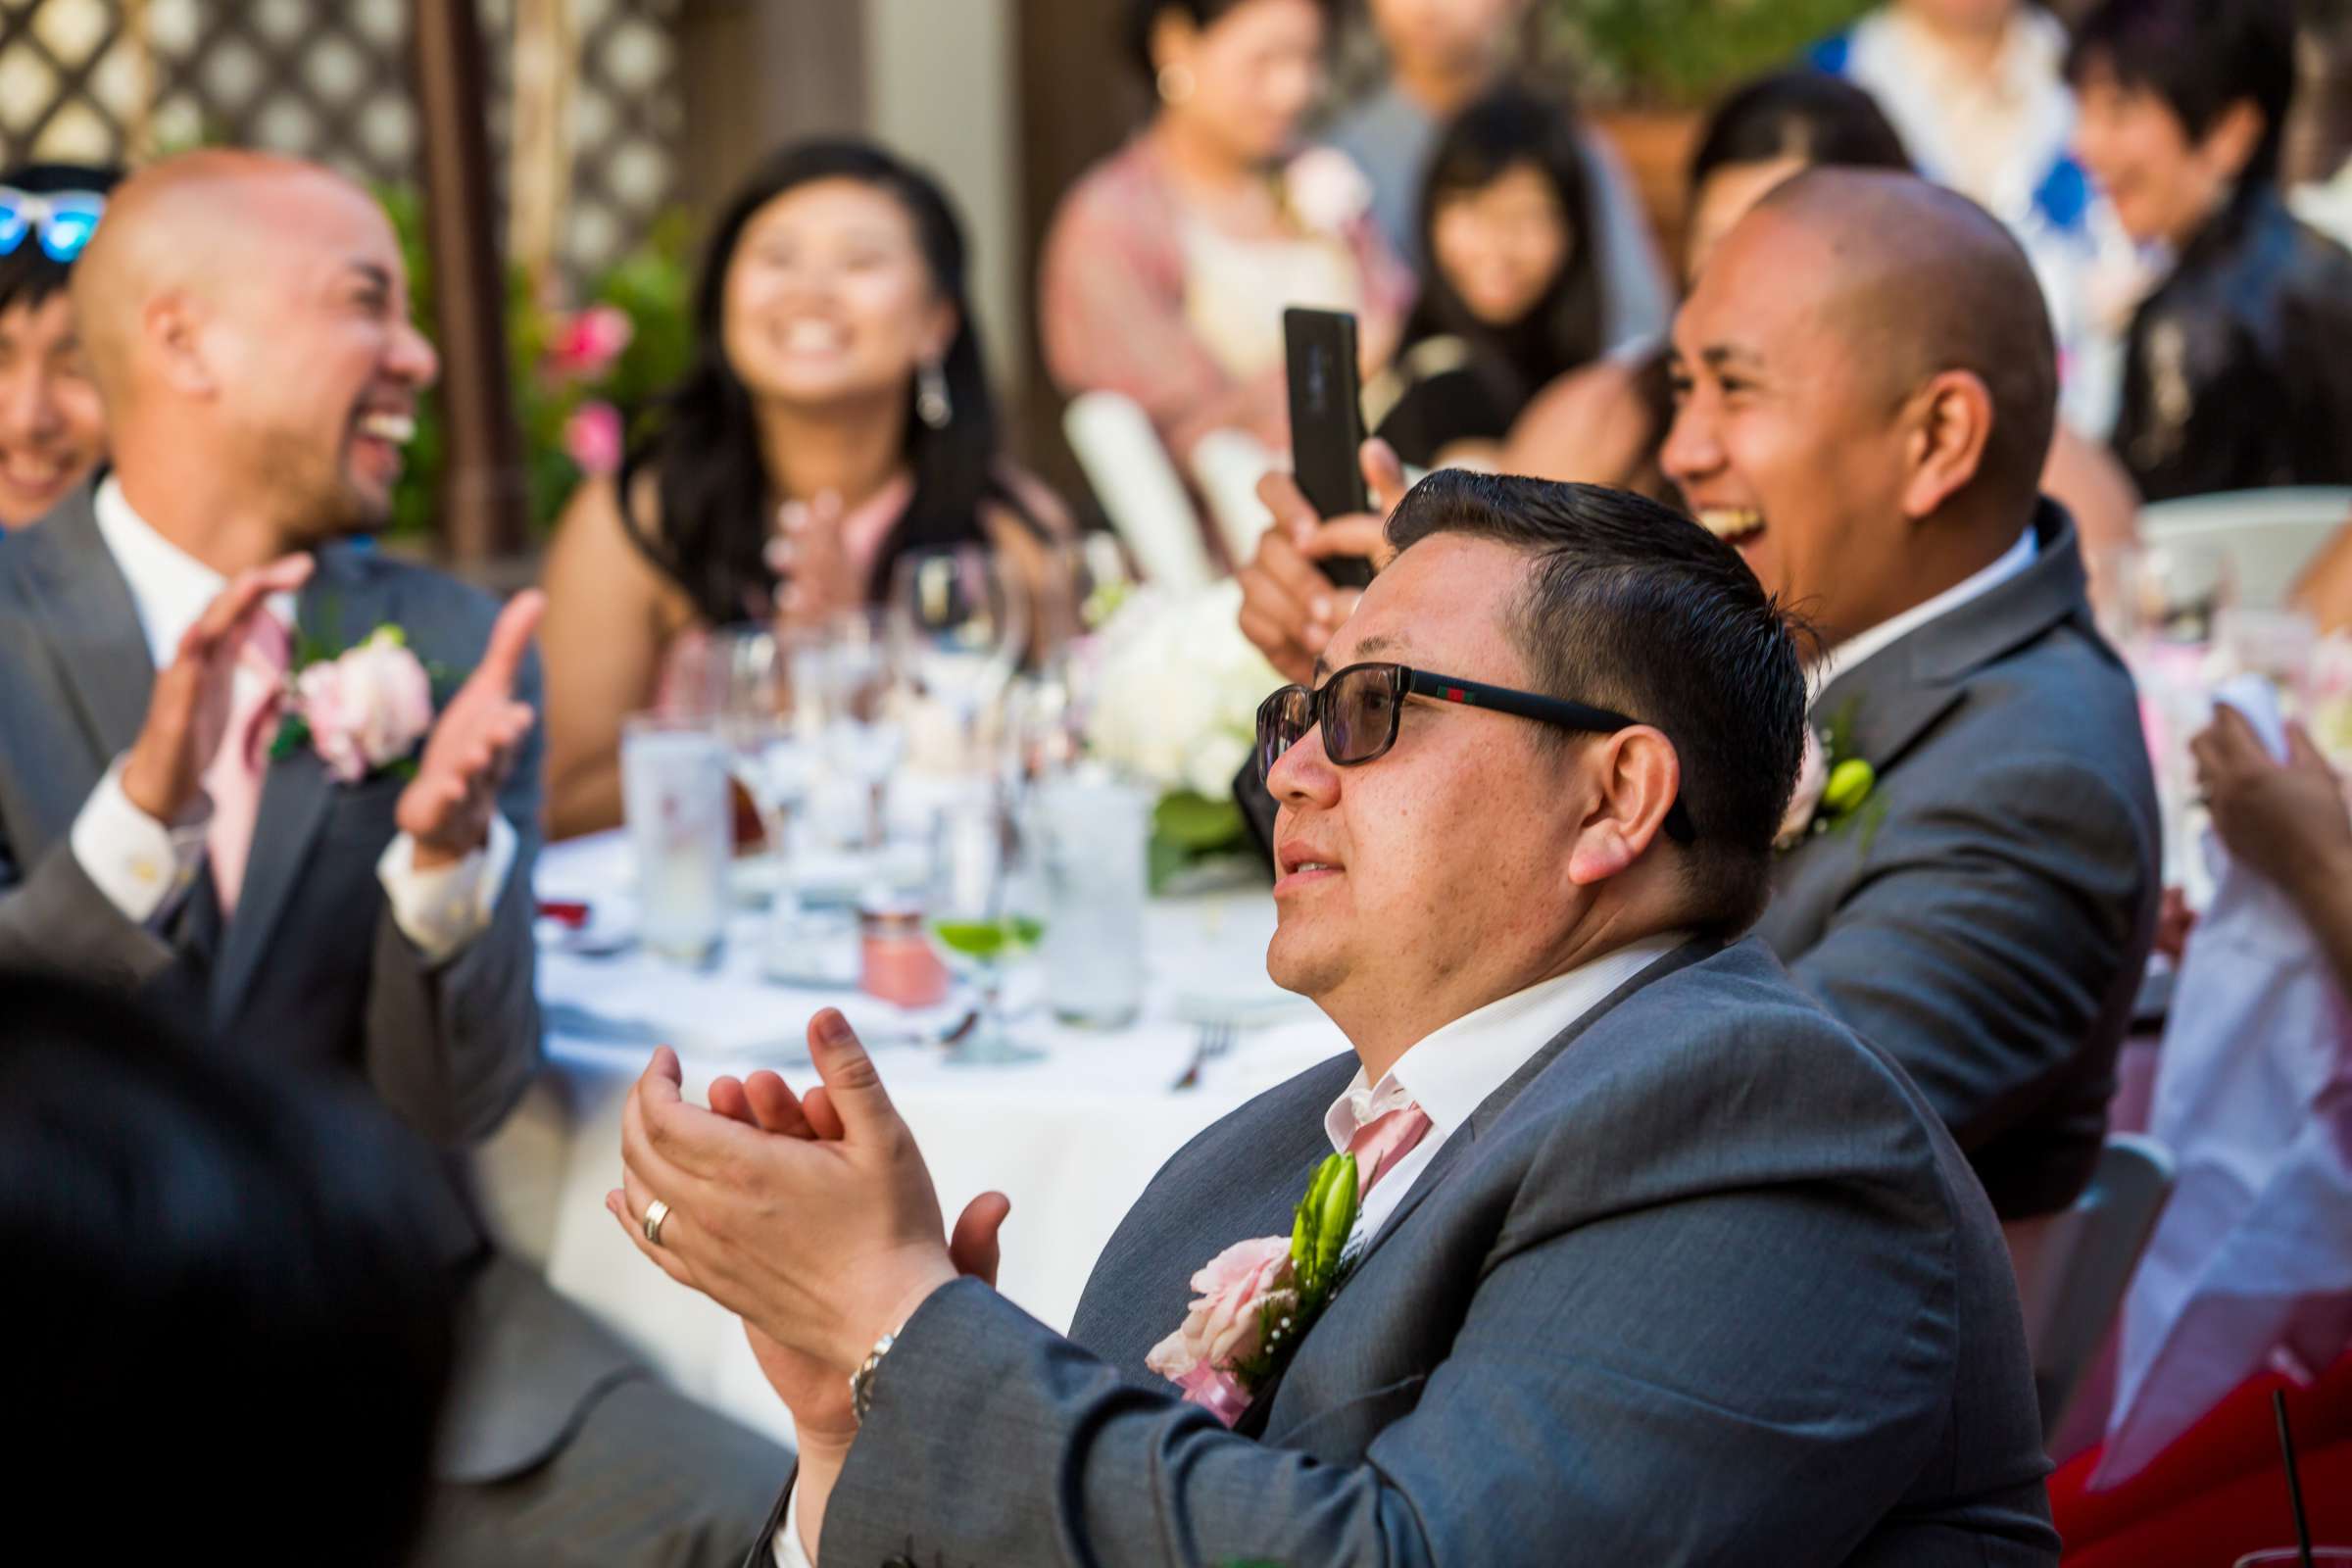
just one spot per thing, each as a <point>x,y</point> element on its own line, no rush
<point>234,780</point>
<point>1379,1144</point>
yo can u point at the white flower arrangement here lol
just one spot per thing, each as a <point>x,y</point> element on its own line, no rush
<point>1177,689</point>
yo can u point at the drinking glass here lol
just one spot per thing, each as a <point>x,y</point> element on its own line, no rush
<point>1092,833</point>
<point>960,618</point>
<point>982,913</point>
<point>846,675</point>
<point>673,785</point>
<point>2166,594</point>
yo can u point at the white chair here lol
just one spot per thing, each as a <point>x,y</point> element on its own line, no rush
<point>1227,465</point>
<point>2268,535</point>
<point>1139,487</point>
<point>2072,1279</point>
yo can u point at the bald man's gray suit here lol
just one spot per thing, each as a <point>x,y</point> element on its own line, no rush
<point>1985,917</point>
<point>1705,1282</point>
<point>314,972</point>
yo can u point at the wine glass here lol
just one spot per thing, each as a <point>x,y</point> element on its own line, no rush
<point>844,675</point>
<point>960,618</point>
<point>982,911</point>
<point>747,682</point>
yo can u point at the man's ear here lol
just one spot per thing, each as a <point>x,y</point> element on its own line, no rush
<point>2231,141</point>
<point>1950,422</point>
<point>1635,778</point>
<point>171,330</point>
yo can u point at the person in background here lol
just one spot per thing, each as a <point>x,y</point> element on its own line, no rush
<point>1605,424</point>
<point>2237,366</point>
<point>1511,295</point>
<point>220,1251</point>
<point>1167,268</point>
<point>52,428</point>
<point>1977,89</point>
<point>1443,54</point>
<point>838,415</point>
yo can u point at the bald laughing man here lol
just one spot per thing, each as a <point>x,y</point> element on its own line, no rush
<point>247,320</point>
<point>1866,389</point>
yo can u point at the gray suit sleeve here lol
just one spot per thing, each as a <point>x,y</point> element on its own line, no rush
<point>1595,1375</point>
<point>52,916</point>
<point>451,1048</point>
<point>1985,941</point>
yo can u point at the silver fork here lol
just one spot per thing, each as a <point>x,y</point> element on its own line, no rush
<point>1209,1042</point>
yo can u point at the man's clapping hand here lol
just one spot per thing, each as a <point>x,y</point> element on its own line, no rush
<point>187,713</point>
<point>448,806</point>
<point>1289,608</point>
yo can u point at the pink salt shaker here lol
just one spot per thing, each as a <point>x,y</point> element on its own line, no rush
<point>896,960</point>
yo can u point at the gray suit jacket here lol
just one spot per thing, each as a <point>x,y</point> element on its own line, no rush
<point>1985,917</point>
<point>313,969</point>
<point>1705,1282</point>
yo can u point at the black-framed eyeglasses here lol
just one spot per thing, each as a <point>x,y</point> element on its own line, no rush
<point>1359,708</point>
<point>64,221</point>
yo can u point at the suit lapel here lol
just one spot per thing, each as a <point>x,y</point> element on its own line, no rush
<point>86,612</point>
<point>1890,701</point>
<point>297,795</point>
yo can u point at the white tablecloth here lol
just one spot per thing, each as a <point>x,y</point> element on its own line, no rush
<point>1071,1140</point>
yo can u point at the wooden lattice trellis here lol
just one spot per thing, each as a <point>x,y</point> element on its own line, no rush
<point>109,81</point>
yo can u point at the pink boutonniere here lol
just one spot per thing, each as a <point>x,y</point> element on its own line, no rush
<point>363,711</point>
<point>1257,1299</point>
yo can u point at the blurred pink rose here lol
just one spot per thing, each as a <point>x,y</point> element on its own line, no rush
<point>1222,1328</point>
<point>592,438</point>
<point>368,708</point>
<point>1812,777</point>
<point>1325,189</point>
<point>590,340</point>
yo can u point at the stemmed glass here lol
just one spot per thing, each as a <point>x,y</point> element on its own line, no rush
<point>960,618</point>
<point>983,910</point>
<point>845,674</point>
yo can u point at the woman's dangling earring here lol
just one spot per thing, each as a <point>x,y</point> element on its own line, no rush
<point>931,405</point>
<point>1175,84</point>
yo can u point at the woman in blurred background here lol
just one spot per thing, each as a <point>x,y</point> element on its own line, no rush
<point>2238,368</point>
<point>1167,269</point>
<point>1511,297</point>
<point>52,428</point>
<point>1441,56</point>
<point>838,415</point>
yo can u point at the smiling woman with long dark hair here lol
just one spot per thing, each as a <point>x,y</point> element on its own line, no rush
<point>838,415</point>
<point>1511,293</point>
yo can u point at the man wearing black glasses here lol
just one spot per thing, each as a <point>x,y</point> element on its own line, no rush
<point>1640,1255</point>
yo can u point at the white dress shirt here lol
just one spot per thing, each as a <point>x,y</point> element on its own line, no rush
<point>144,866</point>
<point>1448,1073</point>
<point>1851,653</point>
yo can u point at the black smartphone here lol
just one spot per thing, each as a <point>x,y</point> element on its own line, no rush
<point>1327,424</point>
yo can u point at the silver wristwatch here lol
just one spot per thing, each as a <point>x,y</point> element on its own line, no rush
<point>861,1380</point>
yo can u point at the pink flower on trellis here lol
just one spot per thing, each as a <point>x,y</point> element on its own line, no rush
<point>590,341</point>
<point>592,438</point>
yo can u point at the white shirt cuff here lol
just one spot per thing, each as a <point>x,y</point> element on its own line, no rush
<point>142,865</point>
<point>786,1547</point>
<point>442,909</point>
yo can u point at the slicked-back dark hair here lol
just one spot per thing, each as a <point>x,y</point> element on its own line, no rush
<point>1631,607</point>
<point>2201,57</point>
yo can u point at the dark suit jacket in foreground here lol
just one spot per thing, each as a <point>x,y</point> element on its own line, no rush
<point>1704,1283</point>
<point>313,971</point>
<point>1985,917</point>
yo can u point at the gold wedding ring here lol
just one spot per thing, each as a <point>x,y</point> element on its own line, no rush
<point>655,1213</point>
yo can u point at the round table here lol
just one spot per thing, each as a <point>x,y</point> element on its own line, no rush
<point>1072,1139</point>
